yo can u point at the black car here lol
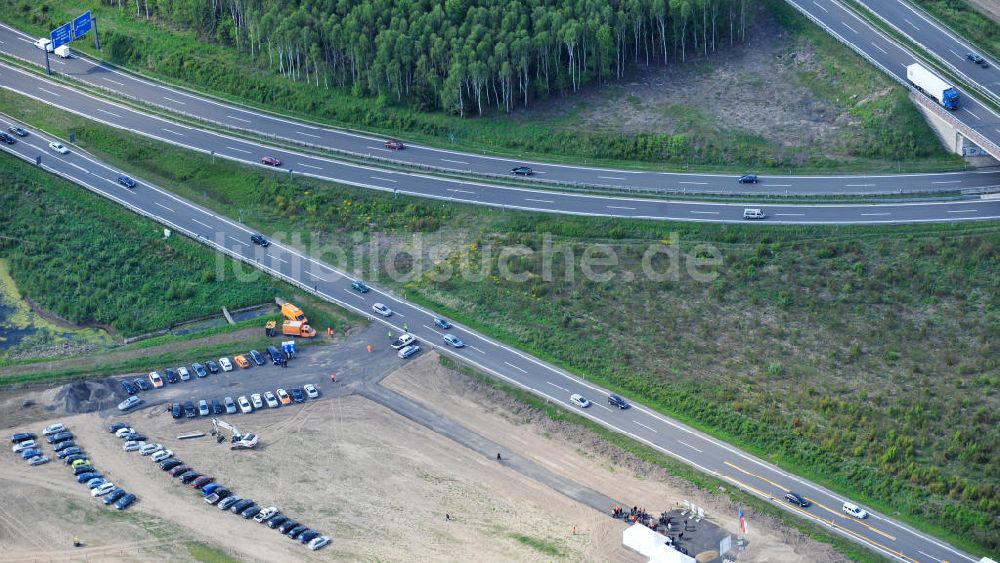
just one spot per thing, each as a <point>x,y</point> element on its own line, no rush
<point>175,410</point>
<point>125,501</point>
<point>360,286</point>
<point>117,426</point>
<point>212,366</point>
<point>250,512</point>
<point>223,493</point>
<point>84,477</point>
<point>522,171</point>
<point>616,401</point>
<point>189,410</point>
<point>294,532</point>
<point>60,437</point>
<point>114,495</point>
<point>171,375</point>
<point>126,181</point>
<point>977,59</point>
<point>128,387</point>
<point>276,356</point>
<point>134,437</point>
<point>795,498</point>
<point>63,445</point>
<point>297,395</point>
<point>169,464</point>
<point>258,238</point>
<point>199,369</point>
<point>81,469</point>
<point>21,437</point>
<point>241,506</point>
<point>75,457</point>
<point>189,476</point>
<point>69,451</point>
<point>287,525</point>
<point>748,179</point>
<point>276,521</point>
<point>308,536</point>
<point>141,383</point>
<point>217,407</point>
<point>7,138</point>
<point>18,131</point>
<point>257,357</point>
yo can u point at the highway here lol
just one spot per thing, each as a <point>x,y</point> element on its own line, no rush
<point>939,41</point>
<point>882,534</point>
<point>96,74</point>
<point>422,185</point>
<point>893,59</point>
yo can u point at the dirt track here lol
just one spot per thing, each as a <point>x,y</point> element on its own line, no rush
<point>377,483</point>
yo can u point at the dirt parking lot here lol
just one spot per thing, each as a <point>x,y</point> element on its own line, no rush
<point>377,483</point>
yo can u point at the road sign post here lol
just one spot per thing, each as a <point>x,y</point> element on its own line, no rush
<point>48,69</point>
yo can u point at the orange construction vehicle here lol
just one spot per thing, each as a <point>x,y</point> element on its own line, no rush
<point>293,313</point>
<point>297,328</point>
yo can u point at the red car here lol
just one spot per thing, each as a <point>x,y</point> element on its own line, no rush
<point>394,145</point>
<point>270,161</point>
<point>202,481</point>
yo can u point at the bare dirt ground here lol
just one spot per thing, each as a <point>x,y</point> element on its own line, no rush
<point>989,7</point>
<point>375,482</point>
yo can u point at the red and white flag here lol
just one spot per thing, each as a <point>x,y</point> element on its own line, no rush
<point>743,522</point>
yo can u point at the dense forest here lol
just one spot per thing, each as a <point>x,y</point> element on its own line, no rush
<point>460,56</point>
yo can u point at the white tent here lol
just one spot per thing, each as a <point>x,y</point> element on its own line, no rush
<point>652,545</point>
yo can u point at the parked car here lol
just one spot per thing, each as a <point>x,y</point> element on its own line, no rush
<point>135,437</point>
<point>131,446</point>
<point>288,525</point>
<point>308,535</point>
<point>311,390</point>
<point>150,449</point>
<point>266,514</point>
<point>225,364</point>
<point>230,405</point>
<point>258,238</point>
<point>855,511</point>
<point>59,148</point>
<point>126,181</point>
<point>125,501</point>
<point>129,403</point>
<point>360,286</point>
<point>394,145</point>
<point>213,498</point>
<point>114,428</point>
<point>212,366</point>
<point>242,361</point>
<point>169,464</point>
<point>442,323</point>
<point>58,437</point>
<point>114,495</point>
<point>95,482</point>
<point>72,459</point>
<point>277,356</point>
<point>124,431</point>
<point>30,453</point>
<point>250,512</point>
<point>217,407</point>
<point>297,395</point>
<point>189,411</point>
<point>18,131</point>
<point>179,470</point>
<point>283,397</point>
<point>102,489</point>
<point>382,310</point>
<point>161,455</point>
<point>69,451</point>
<point>92,479</point>
<point>189,477</point>
<point>27,445</point>
<point>62,445</point>
<point>579,400</point>
<point>228,502</point>
<point>184,373</point>
<point>171,375</point>
<point>142,384</point>
<point>257,357</point>
<point>175,410</point>
<point>199,369</point>
<point>24,436</point>
<point>294,532</point>
<point>452,340</point>
<point>270,161</point>
<point>408,351</point>
<point>81,469</point>
<point>271,400</point>
<point>203,409</point>
<point>748,179</point>
<point>522,171</point>
<point>54,429</point>
<point>256,401</point>
<point>319,542</point>
<point>155,379</point>
<point>616,401</point>
<point>245,406</point>
<point>276,521</point>
<point>209,488</point>
<point>797,499</point>
<point>128,387</point>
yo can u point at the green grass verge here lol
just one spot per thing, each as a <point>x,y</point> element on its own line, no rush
<point>967,22</point>
<point>177,56</point>
<point>208,554</point>
<point>704,482</point>
<point>543,546</point>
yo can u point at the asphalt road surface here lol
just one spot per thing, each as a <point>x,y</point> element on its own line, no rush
<point>75,164</point>
<point>851,29</point>
<point>880,533</point>
<point>175,99</point>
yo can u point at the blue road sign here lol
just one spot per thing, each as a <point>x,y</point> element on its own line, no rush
<point>82,24</point>
<point>61,35</point>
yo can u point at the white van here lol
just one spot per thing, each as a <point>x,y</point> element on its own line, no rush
<point>44,43</point>
<point>62,51</point>
<point>854,510</point>
<point>753,213</point>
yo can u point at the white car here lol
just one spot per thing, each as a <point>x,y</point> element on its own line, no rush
<point>452,340</point>
<point>311,390</point>
<point>183,372</point>
<point>161,455</point>
<point>265,514</point>
<point>225,364</point>
<point>579,400</point>
<point>150,449</point>
<point>122,432</point>
<point>44,43</point>
<point>257,402</point>
<point>382,310</point>
<point>408,351</point>
<point>54,429</point>
<point>59,148</point>
<point>272,401</point>
<point>132,446</point>
<point>319,542</point>
<point>854,510</point>
<point>245,406</point>
<point>102,489</point>
<point>25,445</point>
